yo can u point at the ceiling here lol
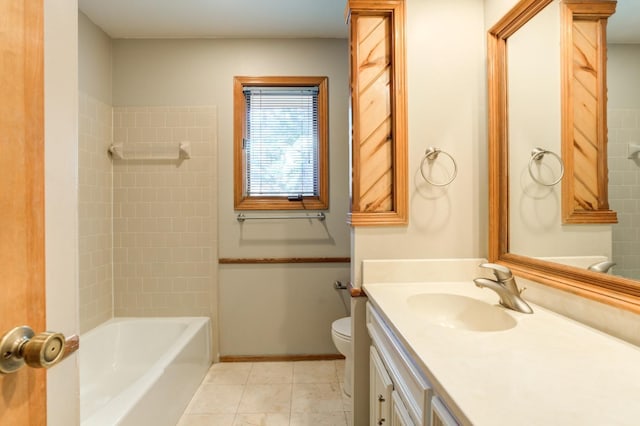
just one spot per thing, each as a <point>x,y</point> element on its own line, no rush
<point>263,18</point>
<point>623,25</point>
<point>218,18</point>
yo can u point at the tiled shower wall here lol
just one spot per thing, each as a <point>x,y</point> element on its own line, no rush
<point>624,190</point>
<point>164,223</point>
<point>95,217</point>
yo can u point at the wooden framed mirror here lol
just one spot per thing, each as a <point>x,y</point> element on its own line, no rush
<point>613,290</point>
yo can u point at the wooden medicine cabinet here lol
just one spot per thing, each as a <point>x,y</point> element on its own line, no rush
<point>378,113</point>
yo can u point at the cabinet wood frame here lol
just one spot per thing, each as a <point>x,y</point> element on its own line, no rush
<point>584,111</point>
<point>379,181</point>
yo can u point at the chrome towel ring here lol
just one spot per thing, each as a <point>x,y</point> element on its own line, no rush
<point>432,154</point>
<point>537,154</point>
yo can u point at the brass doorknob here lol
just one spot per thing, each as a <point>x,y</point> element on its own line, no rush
<point>22,346</point>
<point>43,350</point>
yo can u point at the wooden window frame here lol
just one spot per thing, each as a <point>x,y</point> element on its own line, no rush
<point>244,202</point>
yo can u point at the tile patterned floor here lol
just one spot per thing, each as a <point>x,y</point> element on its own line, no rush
<point>301,393</point>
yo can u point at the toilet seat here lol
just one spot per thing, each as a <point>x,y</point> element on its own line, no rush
<point>342,327</point>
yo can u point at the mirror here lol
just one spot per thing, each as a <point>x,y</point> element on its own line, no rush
<point>526,230</point>
<point>623,81</point>
<point>536,227</point>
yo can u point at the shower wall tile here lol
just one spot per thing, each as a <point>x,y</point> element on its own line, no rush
<point>624,190</point>
<point>164,212</point>
<point>95,213</point>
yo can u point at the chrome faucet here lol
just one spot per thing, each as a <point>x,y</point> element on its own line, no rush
<point>602,266</point>
<point>506,287</point>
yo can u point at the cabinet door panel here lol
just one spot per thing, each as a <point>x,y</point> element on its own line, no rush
<point>399,414</point>
<point>408,379</point>
<point>380,387</point>
<point>440,416</point>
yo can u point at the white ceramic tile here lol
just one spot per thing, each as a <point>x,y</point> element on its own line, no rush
<point>318,419</point>
<point>216,399</point>
<point>314,372</point>
<point>624,176</point>
<point>317,404</point>
<point>148,196</point>
<point>271,373</point>
<point>207,420</point>
<point>95,239</point>
<point>273,398</point>
<point>316,397</point>
<point>262,419</point>
<point>340,369</point>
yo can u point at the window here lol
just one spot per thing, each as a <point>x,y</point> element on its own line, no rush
<point>280,143</point>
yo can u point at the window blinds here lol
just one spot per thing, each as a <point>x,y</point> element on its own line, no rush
<point>281,141</point>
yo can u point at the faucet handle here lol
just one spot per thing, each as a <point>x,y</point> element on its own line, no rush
<point>502,273</point>
<point>602,266</point>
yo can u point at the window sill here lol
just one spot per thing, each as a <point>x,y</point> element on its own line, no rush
<point>280,203</point>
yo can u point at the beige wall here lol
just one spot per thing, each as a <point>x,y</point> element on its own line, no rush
<point>624,174</point>
<point>273,309</point>
<point>94,60</point>
<point>447,109</point>
<point>61,199</point>
<point>95,201</point>
<point>623,62</point>
<point>535,213</point>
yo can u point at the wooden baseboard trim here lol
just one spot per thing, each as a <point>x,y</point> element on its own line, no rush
<point>274,358</point>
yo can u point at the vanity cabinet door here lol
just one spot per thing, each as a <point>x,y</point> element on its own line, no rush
<point>399,414</point>
<point>440,416</point>
<point>380,387</point>
<point>408,380</point>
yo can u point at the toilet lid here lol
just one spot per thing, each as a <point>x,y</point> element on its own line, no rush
<point>342,326</point>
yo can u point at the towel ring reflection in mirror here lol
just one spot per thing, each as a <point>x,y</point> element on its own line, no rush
<point>537,154</point>
<point>431,155</point>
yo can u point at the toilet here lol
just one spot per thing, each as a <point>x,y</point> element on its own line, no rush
<point>341,335</point>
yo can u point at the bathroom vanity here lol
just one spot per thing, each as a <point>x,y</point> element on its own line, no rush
<point>445,353</point>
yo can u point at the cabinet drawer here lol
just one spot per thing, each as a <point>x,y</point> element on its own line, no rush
<point>408,380</point>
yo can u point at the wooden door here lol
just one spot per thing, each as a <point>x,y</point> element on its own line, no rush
<point>22,394</point>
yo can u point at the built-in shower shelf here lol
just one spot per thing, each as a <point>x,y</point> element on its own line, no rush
<point>182,152</point>
<point>633,150</point>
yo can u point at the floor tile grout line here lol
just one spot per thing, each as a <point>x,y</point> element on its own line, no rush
<point>244,388</point>
<point>345,412</point>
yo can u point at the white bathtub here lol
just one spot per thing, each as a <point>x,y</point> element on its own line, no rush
<point>142,371</point>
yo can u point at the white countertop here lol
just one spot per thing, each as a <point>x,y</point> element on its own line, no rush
<point>547,370</point>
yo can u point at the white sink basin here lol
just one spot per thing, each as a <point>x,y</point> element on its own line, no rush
<point>461,312</point>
